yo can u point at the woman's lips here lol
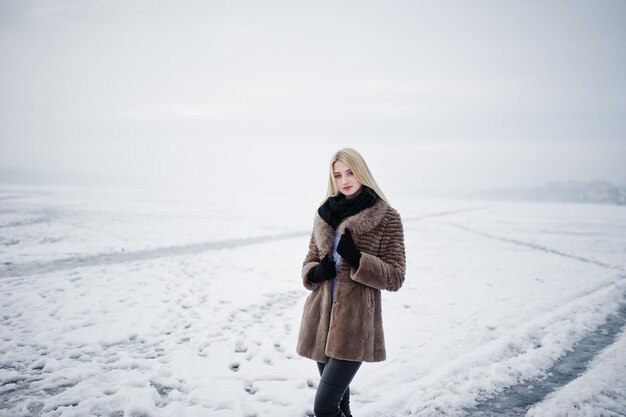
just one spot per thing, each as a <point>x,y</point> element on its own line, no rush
<point>346,188</point>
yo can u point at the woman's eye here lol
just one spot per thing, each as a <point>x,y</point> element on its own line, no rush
<point>349,173</point>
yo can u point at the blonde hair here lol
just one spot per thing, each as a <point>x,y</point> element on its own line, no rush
<point>359,168</point>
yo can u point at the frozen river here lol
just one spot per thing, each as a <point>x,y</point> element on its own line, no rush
<point>118,303</point>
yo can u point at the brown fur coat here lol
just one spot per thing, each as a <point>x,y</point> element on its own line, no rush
<point>352,328</point>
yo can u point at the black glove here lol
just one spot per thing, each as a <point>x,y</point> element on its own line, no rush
<point>325,270</point>
<point>348,250</point>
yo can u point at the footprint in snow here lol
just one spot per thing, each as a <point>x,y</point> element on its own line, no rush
<point>249,387</point>
<point>241,346</point>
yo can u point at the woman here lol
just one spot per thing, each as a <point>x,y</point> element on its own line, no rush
<point>356,249</point>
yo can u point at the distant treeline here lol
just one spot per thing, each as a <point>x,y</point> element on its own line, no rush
<point>565,191</point>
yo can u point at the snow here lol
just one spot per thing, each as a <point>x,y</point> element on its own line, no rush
<point>601,391</point>
<point>122,303</point>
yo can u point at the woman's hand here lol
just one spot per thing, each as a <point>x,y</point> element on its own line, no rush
<point>348,250</point>
<point>324,271</point>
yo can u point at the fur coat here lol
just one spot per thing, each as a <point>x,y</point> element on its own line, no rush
<point>352,328</point>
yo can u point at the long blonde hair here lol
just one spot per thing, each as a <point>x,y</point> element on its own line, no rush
<point>359,168</point>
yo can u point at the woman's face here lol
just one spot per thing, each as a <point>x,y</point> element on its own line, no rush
<point>345,181</point>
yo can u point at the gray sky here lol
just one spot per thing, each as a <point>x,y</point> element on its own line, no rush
<point>222,93</point>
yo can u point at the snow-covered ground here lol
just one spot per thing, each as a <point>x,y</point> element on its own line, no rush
<point>118,303</point>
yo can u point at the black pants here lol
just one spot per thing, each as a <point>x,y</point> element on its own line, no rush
<point>333,393</point>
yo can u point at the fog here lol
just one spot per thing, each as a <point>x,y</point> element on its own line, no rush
<point>243,94</point>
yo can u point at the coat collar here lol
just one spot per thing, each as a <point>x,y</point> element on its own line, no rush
<point>358,224</point>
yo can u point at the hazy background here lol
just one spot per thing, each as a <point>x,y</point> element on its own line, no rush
<point>240,94</point>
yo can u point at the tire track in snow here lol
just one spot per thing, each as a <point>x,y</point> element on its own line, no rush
<point>440,382</point>
<point>443,213</point>
<point>535,246</point>
<point>518,399</point>
<point>38,216</point>
<point>35,267</point>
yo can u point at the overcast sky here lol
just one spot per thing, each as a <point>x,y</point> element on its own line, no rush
<point>223,93</point>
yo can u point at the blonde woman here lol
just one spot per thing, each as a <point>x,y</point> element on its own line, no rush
<point>355,251</point>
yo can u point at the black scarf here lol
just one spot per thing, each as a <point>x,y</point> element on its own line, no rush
<point>336,208</point>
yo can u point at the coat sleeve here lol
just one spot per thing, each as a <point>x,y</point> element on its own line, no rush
<point>387,271</point>
<point>311,260</point>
